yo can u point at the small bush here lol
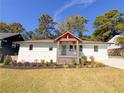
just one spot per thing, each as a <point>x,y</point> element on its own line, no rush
<point>42,61</point>
<point>47,63</point>
<point>84,58</point>
<point>7,60</point>
<point>74,61</point>
<point>51,61</point>
<point>33,64</point>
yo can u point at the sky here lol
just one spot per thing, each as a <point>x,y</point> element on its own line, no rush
<point>27,12</point>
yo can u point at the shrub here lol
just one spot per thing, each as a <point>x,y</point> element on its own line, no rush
<point>47,63</point>
<point>7,60</point>
<point>42,61</point>
<point>33,64</point>
<point>51,61</point>
<point>74,61</point>
<point>83,59</point>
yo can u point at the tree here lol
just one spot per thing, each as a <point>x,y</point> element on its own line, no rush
<point>74,24</point>
<point>16,27</point>
<point>12,28</point>
<point>108,25</point>
<point>4,27</point>
<point>120,41</point>
<point>46,26</point>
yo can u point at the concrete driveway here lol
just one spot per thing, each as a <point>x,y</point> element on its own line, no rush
<point>117,62</point>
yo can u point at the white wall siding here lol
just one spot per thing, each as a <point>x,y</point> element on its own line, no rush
<point>42,52</point>
<point>88,50</point>
<point>39,52</point>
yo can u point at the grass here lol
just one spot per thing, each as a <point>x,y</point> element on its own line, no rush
<point>84,80</point>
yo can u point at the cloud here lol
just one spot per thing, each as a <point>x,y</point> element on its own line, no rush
<point>84,3</point>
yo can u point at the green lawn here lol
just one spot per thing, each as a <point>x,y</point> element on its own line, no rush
<point>84,80</point>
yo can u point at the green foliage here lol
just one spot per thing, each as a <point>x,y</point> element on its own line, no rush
<point>12,28</point>
<point>74,61</point>
<point>16,27</point>
<point>75,24</point>
<point>4,27</point>
<point>47,63</point>
<point>107,25</point>
<point>36,38</point>
<point>120,41</point>
<point>51,61</point>
<point>85,37</point>
<point>7,60</point>
<point>46,26</point>
<point>120,27</point>
<point>84,58</point>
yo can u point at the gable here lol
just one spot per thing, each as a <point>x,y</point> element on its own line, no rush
<point>68,36</point>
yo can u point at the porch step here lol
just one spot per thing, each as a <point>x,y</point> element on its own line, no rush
<point>66,60</point>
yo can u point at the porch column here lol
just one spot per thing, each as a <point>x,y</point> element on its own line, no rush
<point>58,51</point>
<point>77,52</point>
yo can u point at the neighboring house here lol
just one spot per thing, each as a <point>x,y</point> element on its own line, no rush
<point>7,47</point>
<point>63,49</point>
<point>114,49</point>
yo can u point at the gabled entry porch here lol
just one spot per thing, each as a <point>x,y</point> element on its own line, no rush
<point>67,48</point>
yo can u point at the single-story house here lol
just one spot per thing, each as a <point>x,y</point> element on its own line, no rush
<point>63,49</point>
<point>7,45</point>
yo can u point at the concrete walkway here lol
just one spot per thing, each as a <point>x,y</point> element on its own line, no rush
<point>117,62</point>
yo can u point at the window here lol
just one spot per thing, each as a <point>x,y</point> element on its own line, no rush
<point>13,45</point>
<point>80,48</point>
<point>95,48</point>
<point>50,48</point>
<point>30,47</point>
<point>71,48</point>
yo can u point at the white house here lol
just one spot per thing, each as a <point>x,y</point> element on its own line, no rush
<point>61,50</point>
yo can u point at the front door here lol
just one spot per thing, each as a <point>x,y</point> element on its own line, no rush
<point>63,51</point>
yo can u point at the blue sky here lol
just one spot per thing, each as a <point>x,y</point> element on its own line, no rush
<point>27,12</point>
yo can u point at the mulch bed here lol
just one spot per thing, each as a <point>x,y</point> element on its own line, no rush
<point>50,66</point>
